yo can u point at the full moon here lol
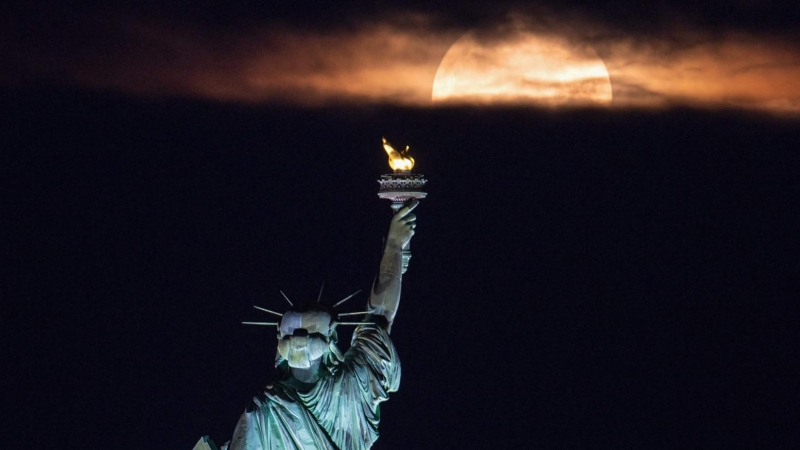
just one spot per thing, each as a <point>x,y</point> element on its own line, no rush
<point>521,68</point>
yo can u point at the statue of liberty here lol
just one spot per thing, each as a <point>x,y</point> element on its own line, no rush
<point>324,399</point>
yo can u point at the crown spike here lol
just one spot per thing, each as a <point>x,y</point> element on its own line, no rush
<point>355,323</point>
<point>287,298</point>
<point>261,323</point>
<point>364,313</point>
<point>267,310</point>
<point>319,297</point>
<point>346,298</point>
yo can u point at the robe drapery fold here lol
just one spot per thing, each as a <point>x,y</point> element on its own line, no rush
<point>340,411</point>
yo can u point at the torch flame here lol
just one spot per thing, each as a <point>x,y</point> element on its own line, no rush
<point>398,160</point>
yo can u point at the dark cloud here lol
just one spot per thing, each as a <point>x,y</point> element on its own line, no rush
<point>628,15</point>
<point>309,53</point>
<point>637,92</point>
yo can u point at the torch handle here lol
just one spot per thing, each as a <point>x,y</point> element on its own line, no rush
<point>407,247</point>
<point>406,256</point>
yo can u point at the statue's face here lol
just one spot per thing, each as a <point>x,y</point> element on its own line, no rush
<point>303,337</point>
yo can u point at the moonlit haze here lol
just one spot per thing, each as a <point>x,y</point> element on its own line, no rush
<point>521,68</point>
<point>413,61</point>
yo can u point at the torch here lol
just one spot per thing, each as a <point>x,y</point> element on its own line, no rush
<point>401,186</point>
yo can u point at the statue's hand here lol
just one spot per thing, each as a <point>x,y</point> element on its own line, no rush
<point>402,226</point>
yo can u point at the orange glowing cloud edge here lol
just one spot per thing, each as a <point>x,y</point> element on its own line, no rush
<point>522,67</point>
<point>384,64</point>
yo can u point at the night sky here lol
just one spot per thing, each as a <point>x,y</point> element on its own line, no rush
<point>607,277</point>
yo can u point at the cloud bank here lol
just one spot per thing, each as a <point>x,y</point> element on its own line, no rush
<point>394,60</point>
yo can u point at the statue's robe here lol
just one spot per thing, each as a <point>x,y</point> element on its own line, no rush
<point>339,412</point>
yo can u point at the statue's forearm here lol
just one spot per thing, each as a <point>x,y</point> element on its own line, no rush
<point>385,297</point>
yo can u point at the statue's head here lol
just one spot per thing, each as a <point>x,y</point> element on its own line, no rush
<point>306,334</point>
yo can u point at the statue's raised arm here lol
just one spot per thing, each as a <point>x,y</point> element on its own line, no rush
<point>385,297</point>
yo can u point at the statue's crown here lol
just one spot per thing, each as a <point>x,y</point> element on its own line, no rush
<point>315,306</point>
